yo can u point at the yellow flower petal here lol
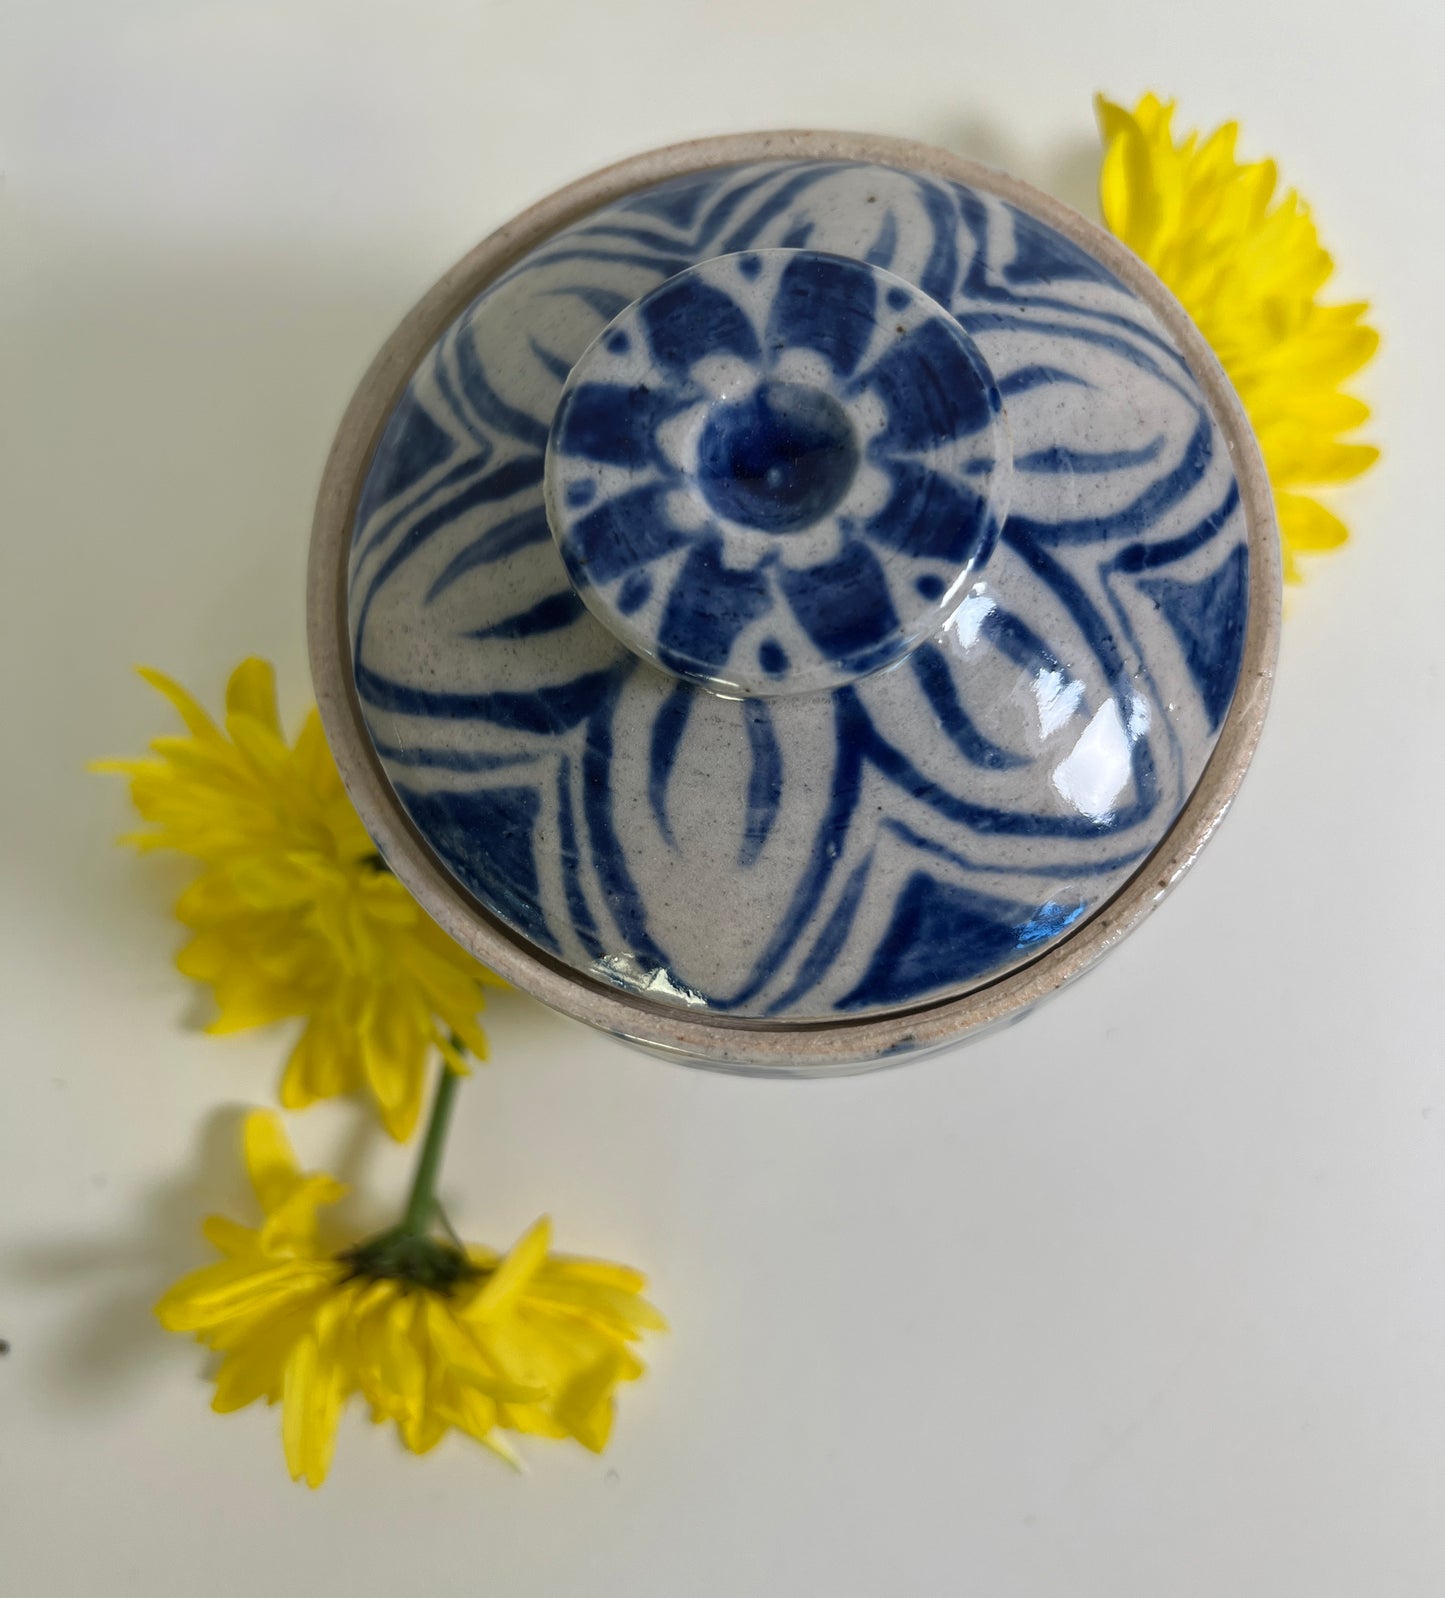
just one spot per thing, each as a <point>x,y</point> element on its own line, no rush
<point>1247,265</point>
<point>468,1361</point>
<point>292,914</point>
<point>257,1369</point>
<point>312,1392</point>
<point>270,1160</point>
<point>217,1293</point>
<point>584,1407</point>
<point>292,1223</point>
<point>229,1237</point>
<point>1308,526</point>
<point>512,1275</point>
<point>200,724</point>
<point>1317,461</point>
<point>252,692</point>
<point>538,1344</point>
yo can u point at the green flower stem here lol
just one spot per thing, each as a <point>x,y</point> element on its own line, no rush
<point>421,1204</point>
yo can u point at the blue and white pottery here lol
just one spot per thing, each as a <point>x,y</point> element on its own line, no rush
<point>793,600</point>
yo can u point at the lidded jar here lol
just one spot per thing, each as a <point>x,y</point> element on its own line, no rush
<point>794,599</point>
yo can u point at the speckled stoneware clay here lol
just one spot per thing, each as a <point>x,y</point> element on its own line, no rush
<point>777,592</point>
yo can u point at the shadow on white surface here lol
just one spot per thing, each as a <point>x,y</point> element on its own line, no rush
<point>1068,169</point>
<point>110,1332</point>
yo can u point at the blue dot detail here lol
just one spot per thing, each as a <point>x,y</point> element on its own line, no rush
<point>581,493</point>
<point>749,266</point>
<point>619,343</point>
<point>897,299</point>
<point>930,586</point>
<point>772,657</point>
<point>634,593</point>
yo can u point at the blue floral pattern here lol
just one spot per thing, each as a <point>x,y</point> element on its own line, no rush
<point>908,833</point>
<point>776,471</point>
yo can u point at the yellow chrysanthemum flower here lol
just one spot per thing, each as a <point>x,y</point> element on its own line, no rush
<point>1248,268</point>
<point>294,914</point>
<point>431,1335</point>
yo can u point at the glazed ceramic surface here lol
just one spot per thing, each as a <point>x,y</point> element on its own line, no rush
<point>892,596</point>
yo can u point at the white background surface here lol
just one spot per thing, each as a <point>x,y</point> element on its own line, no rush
<point>1142,1299</point>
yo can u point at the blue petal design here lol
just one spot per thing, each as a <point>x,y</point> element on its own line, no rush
<point>678,201</point>
<point>489,406</point>
<point>828,846</point>
<point>824,304</point>
<point>625,904</point>
<point>497,543</point>
<point>954,404</point>
<point>939,934</point>
<point>621,534</point>
<point>930,517</point>
<point>465,472</point>
<point>940,272</point>
<point>614,424</point>
<point>605,302</point>
<point>1139,557</point>
<point>1033,868</point>
<point>554,364</point>
<point>1018,641</point>
<point>829,943</point>
<point>765,780</point>
<point>505,873</point>
<point>512,478</point>
<point>708,607</point>
<point>992,820</point>
<point>1141,512</point>
<point>634,593</point>
<point>843,606</point>
<point>1059,459</point>
<point>652,238</point>
<point>412,446</point>
<point>1042,255</point>
<point>931,670</point>
<point>424,759</point>
<point>749,230</point>
<point>1126,348</point>
<point>667,730</point>
<point>548,615</point>
<point>885,246</point>
<point>691,315</point>
<point>1032,377</point>
<point>1208,619</point>
<point>579,912</point>
<point>663,265</point>
<point>539,710</point>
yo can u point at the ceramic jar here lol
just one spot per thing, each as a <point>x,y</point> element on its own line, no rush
<point>792,600</point>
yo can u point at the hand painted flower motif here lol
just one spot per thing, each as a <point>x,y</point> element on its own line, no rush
<point>293,914</point>
<point>1248,268</point>
<point>775,472</point>
<point>431,1336</point>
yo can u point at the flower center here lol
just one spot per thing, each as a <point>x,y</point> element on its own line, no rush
<point>779,460</point>
<point>405,1256</point>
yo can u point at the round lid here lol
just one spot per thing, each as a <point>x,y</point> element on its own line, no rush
<point>798,590</point>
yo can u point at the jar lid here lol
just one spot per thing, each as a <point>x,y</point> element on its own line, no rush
<point>799,589</point>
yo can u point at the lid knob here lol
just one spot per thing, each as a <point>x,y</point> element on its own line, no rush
<point>777,471</point>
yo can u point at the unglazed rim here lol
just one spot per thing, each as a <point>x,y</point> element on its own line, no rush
<point>732,1043</point>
